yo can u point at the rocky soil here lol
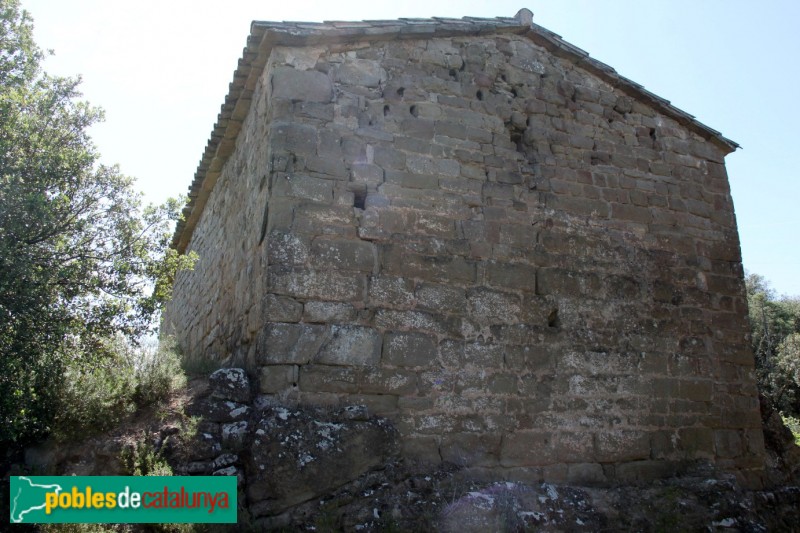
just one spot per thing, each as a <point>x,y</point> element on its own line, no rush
<point>337,469</point>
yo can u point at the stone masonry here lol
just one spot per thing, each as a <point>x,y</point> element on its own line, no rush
<point>527,262</point>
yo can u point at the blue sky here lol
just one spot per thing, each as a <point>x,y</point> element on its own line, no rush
<point>161,70</point>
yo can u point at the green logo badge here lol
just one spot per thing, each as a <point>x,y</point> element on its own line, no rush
<point>123,499</point>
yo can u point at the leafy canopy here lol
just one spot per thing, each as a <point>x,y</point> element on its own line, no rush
<point>80,259</point>
<point>775,328</point>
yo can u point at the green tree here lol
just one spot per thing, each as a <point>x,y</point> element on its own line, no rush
<point>80,259</point>
<point>775,330</point>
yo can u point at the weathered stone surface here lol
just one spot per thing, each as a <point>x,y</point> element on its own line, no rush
<point>351,346</point>
<point>287,249</point>
<point>226,459</point>
<point>436,297</point>
<point>347,255</point>
<point>299,454</point>
<point>502,506</point>
<point>281,309</point>
<point>324,378</point>
<point>276,378</point>
<point>230,384</point>
<point>388,381</point>
<point>234,435</point>
<point>409,349</point>
<point>361,73</point>
<point>213,410</point>
<point>290,343</point>
<point>491,306</point>
<point>528,449</point>
<point>317,284</point>
<point>630,445</point>
<point>474,449</point>
<point>205,446</point>
<point>511,275</point>
<point>391,292</point>
<point>294,84</point>
<point>328,312</point>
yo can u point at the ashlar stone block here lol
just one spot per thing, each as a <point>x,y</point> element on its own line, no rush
<point>327,312</point>
<point>494,307</point>
<point>440,297</point>
<point>351,346</point>
<point>511,275</point>
<point>276,378</point>
<point>396,381</point>
<point>317,284</point>
<point>276,308</point>
<point>361,73</point>
<point>409,349</point>
<point>343,254</point>
<point>295,84</point>
<point>622,445</point>
<point>390,291</point>
<point>528,448</point>
<point>324,378</point>
<point>296,344</point>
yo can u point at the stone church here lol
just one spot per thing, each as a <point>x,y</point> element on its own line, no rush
<point>526,261</point>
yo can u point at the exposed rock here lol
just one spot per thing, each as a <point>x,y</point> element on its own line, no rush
<point>216,410</point>
<point>205,446</point>
<point>701,499</point>
<point>227,471</point>
<point>226,459</point>
<point>234,435</point>
<point>230,384</point>
<point>283,455</point>
<point>299,454</point>
<point>512,506</point>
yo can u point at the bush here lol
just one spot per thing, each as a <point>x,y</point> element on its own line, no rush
<point>794,425</point>
<point>775,329</point>
<point>98,392</point>
<point>140,458</point>
<point>158,372</point>
<point>81,258</point>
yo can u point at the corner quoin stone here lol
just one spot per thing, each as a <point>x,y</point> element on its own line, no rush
<point>307,85</point>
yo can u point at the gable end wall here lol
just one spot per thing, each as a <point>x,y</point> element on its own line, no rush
<point>526,269</point>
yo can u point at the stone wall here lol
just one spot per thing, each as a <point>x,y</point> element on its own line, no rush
<point>527,269</point>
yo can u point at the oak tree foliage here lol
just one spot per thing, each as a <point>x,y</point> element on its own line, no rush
<point>775,330</point>
<point>80,258</point>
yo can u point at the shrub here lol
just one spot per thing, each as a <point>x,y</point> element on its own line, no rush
<point>140,458</point>
<point>97,392</point>
<point>794,425</point>
<point>775,329</point>
<point>158,372</point>
<point>81,258</point>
